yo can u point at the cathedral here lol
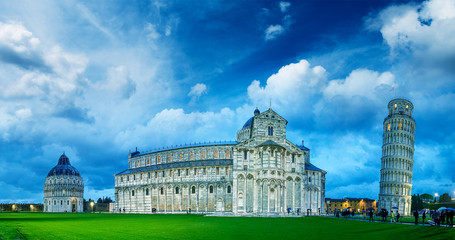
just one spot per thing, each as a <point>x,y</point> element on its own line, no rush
<point>260,174</point>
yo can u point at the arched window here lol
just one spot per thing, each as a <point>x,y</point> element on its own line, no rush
<point>148,161</point>
<point>67,202</point>
<point>388,127</point>
<point>227,153</point>
<point>229,189</point>
<point>169,157</point>
<point>193,189</point>
<point>195,172</point>
<point>180,156</point>
<point>159,159</point>
<point>137,163</point>
<point>177,190</point>
<point>203,154</point>
<point>216,153</point>
<point>64,191</point>
<point>191,155</point>
<point>132,193</point>
<point>161,190</point>
<point>293,158</point>
<point>395,106</point>
<point>270,131</point>
<point>211,189</point>
<point>147,191</point>
<point>245,154</point>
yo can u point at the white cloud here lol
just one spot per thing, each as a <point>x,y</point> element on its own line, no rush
<point>152,32</point>
<point>273,31</point>
<point>427,30</point>
<point>15,36</point>
<point>284,6</point>
<point>361,82</point>
<point>291,85</point>
<point>197,90</point>
<point>118,82</point>
<point>168,30</point>
<point>65,64</point>
<point>92,19</point>
<point>169,125</point>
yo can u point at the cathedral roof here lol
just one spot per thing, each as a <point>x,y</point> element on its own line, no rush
<point>63,167</point>
<point>269,143</point>
<point>311,167</point>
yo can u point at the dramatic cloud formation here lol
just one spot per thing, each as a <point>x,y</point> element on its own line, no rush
<point>99,81</point>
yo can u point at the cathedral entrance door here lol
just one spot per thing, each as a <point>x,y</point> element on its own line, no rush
<point>219,205</point>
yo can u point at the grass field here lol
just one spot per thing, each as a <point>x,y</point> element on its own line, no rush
<point>132,226</point>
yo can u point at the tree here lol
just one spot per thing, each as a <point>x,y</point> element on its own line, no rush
<point>99,200</point>
<point>426,196</point>
<point>445,198</point>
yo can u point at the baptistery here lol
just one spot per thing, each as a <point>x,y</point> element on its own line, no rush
<point>63,188</point>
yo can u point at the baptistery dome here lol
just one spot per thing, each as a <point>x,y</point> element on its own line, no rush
<point>63,188</point>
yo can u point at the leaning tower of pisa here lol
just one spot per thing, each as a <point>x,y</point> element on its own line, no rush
<point>397,158</point>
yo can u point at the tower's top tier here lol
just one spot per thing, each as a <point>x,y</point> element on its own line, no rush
<point>400,106</point>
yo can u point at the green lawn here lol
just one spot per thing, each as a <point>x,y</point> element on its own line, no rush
<point>132,226</point>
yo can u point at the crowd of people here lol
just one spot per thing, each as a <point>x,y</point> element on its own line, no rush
<point>440,217</point>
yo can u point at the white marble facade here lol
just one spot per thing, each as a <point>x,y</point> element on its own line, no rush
<point>262,173</point>
<point>397,158</point>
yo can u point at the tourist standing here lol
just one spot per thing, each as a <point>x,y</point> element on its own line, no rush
<point>424,216</point>
<point>451,217</point>
<point>442,217</point>
<point>398,216</point>
<point>416,216</point>
<point>436,218</point>
<point>392,217</point>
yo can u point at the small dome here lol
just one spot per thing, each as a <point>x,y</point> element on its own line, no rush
<point>63,168</point>
<point>256,112</point>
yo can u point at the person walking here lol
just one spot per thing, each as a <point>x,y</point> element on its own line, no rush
<point>424,216</point>
<point>398,216</point>
<point>371,216</point>
<point>451,217</point>
<point>416,216</point>
<point>442,217</point>
<point>392,217</point>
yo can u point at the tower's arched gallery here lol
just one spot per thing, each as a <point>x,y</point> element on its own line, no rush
<point>63,188</point>
<point>397,158</point>
<point>261,173</point>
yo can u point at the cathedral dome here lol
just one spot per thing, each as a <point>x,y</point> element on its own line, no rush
<point>63,168</point>
<point>248,123</point>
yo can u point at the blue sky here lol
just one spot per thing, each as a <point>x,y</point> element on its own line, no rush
<point>98,78</point>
